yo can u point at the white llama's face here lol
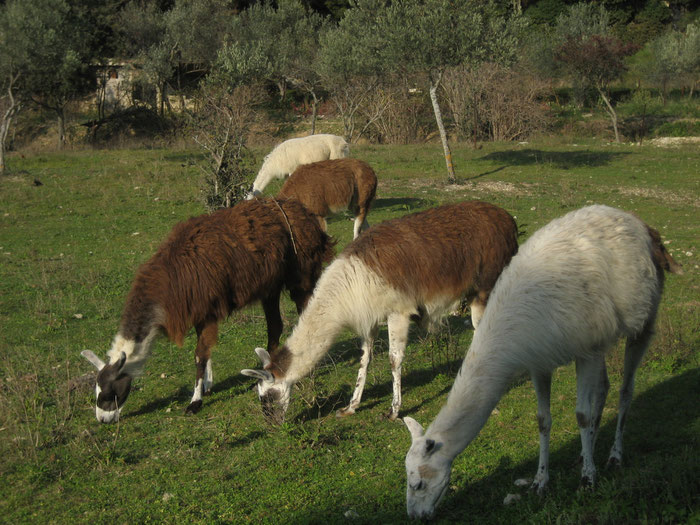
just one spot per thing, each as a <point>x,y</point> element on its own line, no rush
<point>427,473</point>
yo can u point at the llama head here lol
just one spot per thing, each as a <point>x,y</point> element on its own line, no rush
<point>274,394</point>
<point>427,473</point>
<point>111,388</point>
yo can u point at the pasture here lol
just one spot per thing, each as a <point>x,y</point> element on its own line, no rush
<point>75,226</point>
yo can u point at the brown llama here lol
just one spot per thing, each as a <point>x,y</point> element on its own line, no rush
<point>330,186</point>
<point>417,267</point>
<point>208,267</point>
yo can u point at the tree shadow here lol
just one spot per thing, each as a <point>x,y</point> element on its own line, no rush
<point>486,173</point>
<point>561,159</point>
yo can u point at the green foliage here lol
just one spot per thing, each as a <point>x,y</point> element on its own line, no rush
<point>679,128</point>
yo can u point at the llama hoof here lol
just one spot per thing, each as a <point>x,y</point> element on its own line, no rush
<point>207,392</point>
<point>613,463</point>
<point>391,415</point>
<point>586,483</point>
<point>347,411</point>
<point>538,488</point>
<point>194,407</point>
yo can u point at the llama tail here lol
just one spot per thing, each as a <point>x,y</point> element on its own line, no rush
<point>661,256</point>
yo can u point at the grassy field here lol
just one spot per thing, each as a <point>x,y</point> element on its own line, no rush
<point>75,226</point>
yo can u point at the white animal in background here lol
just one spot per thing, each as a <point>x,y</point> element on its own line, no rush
<point>290,154</point>
<point>331,186</point>
<point>416,267</point>
<point>574,288</point>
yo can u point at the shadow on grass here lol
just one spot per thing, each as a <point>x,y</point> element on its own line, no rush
<point>349,352</point>
<point>658,482</point>
<point>561,159</point>
<point>661,434</point>
<point>409,204</point>
<point>184,394</point>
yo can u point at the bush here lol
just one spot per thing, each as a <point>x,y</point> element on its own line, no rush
<point>496,102</point>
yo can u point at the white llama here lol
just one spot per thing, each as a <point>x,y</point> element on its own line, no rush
<point>290,154</point>
<point>573,289</point>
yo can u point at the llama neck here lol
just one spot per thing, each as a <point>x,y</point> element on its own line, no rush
<point>139,326</point>
<point>312,337</point>
<point>480,384</point>
<point>264,177</point>
<point>338,301</point>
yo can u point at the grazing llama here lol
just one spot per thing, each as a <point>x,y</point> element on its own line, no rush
<point>290,154</point>
<point>575,287</point>
<point>329,186</point>
<point>417,267</point>
<point>208,267</point>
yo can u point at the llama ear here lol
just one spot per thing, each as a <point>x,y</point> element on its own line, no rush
<point>96,361</point>
<point>120,364</point>
<point>264,356</point>
<point>414,427</point>
<point>262,375</point>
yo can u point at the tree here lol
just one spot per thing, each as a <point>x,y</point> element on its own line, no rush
<point>349,62</point>
<point>675,55</point>
<point>51,45</point>
<point>291,54</point>
<point>598,60</point>
<point>430,36</point>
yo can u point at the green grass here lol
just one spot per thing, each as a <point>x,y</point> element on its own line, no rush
<point>68,251</point>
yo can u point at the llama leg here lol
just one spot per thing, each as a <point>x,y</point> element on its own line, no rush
<point>634,351</point>
<point>398,337</point>
<point>543,387</point>
<point>273,318</point>
<point>367,345</point>
<point>206,338</point>
<point>477,307</point>
<point>590,387</point>
<point>361,223</point>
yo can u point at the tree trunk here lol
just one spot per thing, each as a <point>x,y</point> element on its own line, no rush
<point>441,127</point>
<point>61,127</point>
<point>12,109</point>
<point>611,112</point>
<point>314,113</point>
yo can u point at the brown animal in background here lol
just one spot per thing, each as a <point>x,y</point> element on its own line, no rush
<point>416,267</point>
<point>208,267</point>
<point>330,186</point>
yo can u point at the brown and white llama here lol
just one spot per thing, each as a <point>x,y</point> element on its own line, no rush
<point>330,186</point>
<point>208,267</point>
<point>574,288</point>
<point>417,267</point>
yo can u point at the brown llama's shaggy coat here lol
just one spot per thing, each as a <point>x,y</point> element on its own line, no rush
<point>449,250</point>
<point>330,186</point>
<point>211,265</point>
<point>208,267</point>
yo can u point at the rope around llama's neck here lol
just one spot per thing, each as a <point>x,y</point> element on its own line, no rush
<point>289,226</point>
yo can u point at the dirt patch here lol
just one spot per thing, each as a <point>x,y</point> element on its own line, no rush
<point>492,187</point>
<point>665,196</point>
<point>669,142</point>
